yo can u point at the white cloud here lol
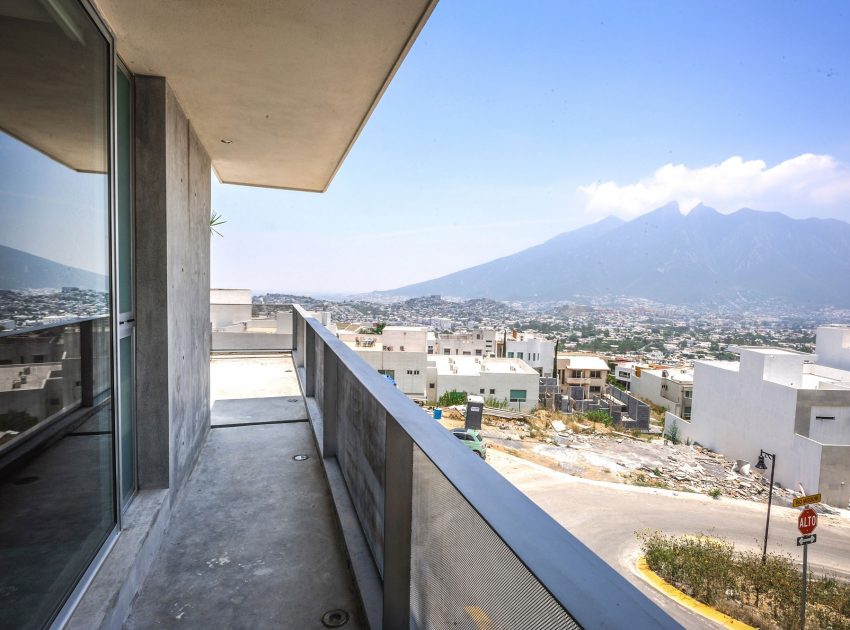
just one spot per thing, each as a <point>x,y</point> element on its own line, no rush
<point>803,186</point>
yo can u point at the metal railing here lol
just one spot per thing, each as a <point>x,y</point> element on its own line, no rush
<point>454,543</point>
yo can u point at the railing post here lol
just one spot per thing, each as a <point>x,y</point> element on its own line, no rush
<point>330,402</point>
<point>296,342</point>
<point>87,363</point>
<point>398,505</point>
<point>308,353</point>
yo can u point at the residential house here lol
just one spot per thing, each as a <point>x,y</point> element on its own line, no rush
<point>665,386</point>
<point>787,403</point>
<point>589,372</point>
<point>539,353</point>
<point>506,380</point>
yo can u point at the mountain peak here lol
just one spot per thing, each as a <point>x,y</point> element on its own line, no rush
<point>701,210</point>
<point>663,255</point>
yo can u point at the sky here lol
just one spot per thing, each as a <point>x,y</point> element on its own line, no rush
<point>511,122</point>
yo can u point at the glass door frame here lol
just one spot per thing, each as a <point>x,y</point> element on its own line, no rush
<point>85,580</point>
<point>124,322</point>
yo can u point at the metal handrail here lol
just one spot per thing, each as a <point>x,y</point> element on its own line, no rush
<point>592,592</point>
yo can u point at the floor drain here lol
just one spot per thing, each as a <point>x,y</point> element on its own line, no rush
<point>334,618</point>
<point>301,458</point>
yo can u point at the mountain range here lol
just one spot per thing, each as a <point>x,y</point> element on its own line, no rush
<point>702,257</point>
<point>20,270</point>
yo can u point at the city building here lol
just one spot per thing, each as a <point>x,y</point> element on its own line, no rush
<point>399,352</point>
<point>114,116</point>
<point>478,342</point>
<point>539,353</point>
<point>507,380</point>
<point>787,403</point>
<point>665,386</point>
<point>229,307</point>
<point>587,371</point>
<point>623,373</point>
<point>833,347</point>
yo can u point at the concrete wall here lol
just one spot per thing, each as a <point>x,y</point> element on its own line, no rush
<point>172,287</point>
<point>502,383</point>
<point>740,413</point>
<point>412,339</point>
<point>824,402</point>
<point>835,475</point>
<point>223,315</point>
<point>230,296</point>
<point>400,363</point>
<point>225,341</point>
<point>832,345</point>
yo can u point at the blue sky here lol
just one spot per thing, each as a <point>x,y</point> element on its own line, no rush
<point>510,122</point>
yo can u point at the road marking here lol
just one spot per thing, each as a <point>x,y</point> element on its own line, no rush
<point>686,600</point>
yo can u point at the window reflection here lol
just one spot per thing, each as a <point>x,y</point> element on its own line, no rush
<point>57,495</point>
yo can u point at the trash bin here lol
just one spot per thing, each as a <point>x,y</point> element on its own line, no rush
<point>438,413</point>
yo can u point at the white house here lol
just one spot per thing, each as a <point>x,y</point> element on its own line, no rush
<point>478,342</point>
<point>785,403</point>
<point>537,352</point>
<point>399,352</point>
<point>833,346</point>
<point>623,373</point>
<point>669,387</point>
<point>504,379</point>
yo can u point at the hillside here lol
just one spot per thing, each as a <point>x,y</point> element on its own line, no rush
<point>20,270</point>
<point>701,257</point>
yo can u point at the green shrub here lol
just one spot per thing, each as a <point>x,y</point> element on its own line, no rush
<point>597,415</point>
<point>743,586</point>
<point>452,398</point>
<point>495,403</point>
<point>714,493</point>
<point>673,433</point>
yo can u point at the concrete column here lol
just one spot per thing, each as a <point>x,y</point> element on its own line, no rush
<point>172,194</point>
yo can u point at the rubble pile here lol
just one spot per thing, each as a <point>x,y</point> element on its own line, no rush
<point>696,469</point>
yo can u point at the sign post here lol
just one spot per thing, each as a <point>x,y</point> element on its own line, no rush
<point>806,523</point>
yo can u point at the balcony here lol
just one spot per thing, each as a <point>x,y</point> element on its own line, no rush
<point>389,521</point>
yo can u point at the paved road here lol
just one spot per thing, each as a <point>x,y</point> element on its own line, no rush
<point>605,516</point>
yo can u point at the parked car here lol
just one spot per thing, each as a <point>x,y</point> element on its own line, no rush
<point>472,439</point>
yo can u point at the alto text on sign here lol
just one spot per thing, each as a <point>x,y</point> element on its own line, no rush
<point>807,521</point>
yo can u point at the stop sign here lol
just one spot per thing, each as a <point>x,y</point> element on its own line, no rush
<point>807,521</point>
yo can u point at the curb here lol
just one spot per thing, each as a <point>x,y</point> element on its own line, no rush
<point>686,600</point>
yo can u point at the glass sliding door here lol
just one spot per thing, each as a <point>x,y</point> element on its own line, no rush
<point>57,448</point>
<point>124,219</point>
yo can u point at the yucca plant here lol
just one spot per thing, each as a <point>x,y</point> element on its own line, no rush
<point>216,220</point>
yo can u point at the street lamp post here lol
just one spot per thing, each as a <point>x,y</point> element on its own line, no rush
<point>761,466</point>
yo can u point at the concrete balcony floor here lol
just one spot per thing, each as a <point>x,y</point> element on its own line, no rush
<point>253,541</point>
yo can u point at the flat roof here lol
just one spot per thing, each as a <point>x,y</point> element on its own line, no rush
<point>581,362</point>
<point>475,366</point>
<point>39,373</point>
<point>769,350</point>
